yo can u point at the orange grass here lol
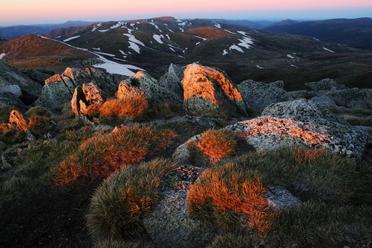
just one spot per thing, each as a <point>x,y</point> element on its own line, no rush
<point>217,144</point>
<point>131,106</point>
<point>102,154</point>
<point>231,193</point>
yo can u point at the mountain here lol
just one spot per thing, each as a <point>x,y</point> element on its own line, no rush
<point>352,32</point>
<point>248,23</point>
<point>152,44</point>
<point>20,30</point>
<point>35,52</point>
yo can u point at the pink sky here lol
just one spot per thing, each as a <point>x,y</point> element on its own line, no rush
<point>18,11</point>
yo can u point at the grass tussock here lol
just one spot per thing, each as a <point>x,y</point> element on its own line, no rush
<point>224,193</point>
<point>216,144</point>
<point>132,106</point>
<point>119,204</point>
<point>102,154</point>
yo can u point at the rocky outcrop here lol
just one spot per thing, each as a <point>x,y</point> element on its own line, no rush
<point>156,93</point>
<point>58,89</point>
<point>259,95</point>
<point>352,98</point>
<point>126,91</point>
<point>326,84</point>
<point>294,123</point>
<point>86,99</point>
<point>207,90</point>
<point>172,79</point>
<point>302,122</point>
<point>14,86</point>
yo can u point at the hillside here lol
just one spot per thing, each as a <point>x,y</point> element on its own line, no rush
<point>352,32</point>
<point>37,52</point>
<point>152,44</point>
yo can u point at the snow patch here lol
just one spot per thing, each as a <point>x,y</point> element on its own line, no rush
<point>116,68</point>
<point>225,52</point>
<point>217,25</point>
<point>104,30</point>
<point>2,55</point>
<point>237,48</point>
<point>71,38</point>
<point>290,56</point>
<point>246,42</point>
<point>158,38</point>
<point>97,48</point>
<point>260,67</point>
<point>328,50</point>
<point>106,54</point>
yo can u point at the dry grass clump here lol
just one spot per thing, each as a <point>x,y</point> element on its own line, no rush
<point>132,106</point>
<point>119,204</point>
<point>232,240</point>
<point>216,144</point>
<point>102,154</point>
<point>222,194</point>
<point>39,121</point>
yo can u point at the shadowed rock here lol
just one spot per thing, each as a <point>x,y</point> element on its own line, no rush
<point>86,98</point>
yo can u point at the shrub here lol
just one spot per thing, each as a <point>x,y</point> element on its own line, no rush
<point>310,174</point>
<point>224,193</point>
<point>100,155</point>
<point>119,204</point>
<point>132,106</point>
<point>217,144</point>
<point>10,135</point>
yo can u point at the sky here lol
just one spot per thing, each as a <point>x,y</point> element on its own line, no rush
<point>55,11</point>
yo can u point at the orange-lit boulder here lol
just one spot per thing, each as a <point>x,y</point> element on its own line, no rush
<point>86,99</point>
<point>207,90</point>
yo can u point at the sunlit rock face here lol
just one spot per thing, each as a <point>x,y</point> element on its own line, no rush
<point>301,122</point>
<point>86,99</point>
<point>16,120</point>
<point>206,89</point>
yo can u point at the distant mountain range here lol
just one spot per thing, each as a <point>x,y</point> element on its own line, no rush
<point>152,44</point>
<point>20,30</point>
<point>352,32</point>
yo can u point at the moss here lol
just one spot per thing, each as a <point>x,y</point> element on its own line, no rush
<point>122,200</point>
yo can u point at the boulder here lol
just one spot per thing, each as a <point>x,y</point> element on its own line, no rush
<point>172,79</point>
<point>352,98</point>
<point>86,97</point>
<point>324,101</point>
<point>259,95</point>
<point>209,91</point>
<point>127,91</point>
<point>326,84</point>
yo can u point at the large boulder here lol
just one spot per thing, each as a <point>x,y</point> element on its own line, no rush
<point>259,95</point>
<point>86,98</point>
<point>302,122</point>
<point>209,91</point>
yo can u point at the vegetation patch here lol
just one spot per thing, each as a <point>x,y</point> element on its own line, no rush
<point>231,196</point>
<point>100,155</point>
<point>119,204</point>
